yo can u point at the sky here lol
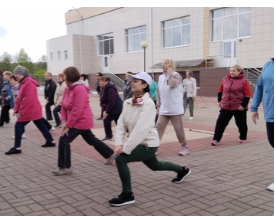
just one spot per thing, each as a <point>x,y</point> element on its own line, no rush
<point>29,24</point>
<point>30,28</point>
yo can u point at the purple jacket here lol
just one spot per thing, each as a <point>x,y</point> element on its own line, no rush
<point>110,100</point>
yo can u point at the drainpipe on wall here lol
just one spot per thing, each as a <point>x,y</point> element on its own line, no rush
<point>80,33</point>
<point>151,47</point>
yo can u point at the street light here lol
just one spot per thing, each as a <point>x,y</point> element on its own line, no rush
<point>80,33</point>
<point>144,45</point>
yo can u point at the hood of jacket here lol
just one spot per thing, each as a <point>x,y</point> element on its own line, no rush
<point>80,82</point>
<point>30,79</point>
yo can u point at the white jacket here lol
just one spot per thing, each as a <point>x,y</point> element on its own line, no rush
<point>170,94</point>
<point>191,86</point>
<point>139,121</point>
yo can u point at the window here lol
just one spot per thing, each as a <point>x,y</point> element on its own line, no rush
<point>51,56</point>
<point>231,23</point>
<point>106,45</point>
<point>176,32</point>
<point>134,37</point>
<point>65,55</point>
<point>58,54</point>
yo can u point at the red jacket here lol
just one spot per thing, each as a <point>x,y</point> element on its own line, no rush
<point>234,91</point>
<point>75,108</point>
<point>27,103</point>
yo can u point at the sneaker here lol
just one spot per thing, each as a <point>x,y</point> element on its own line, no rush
<point>184,151</point>
<point>271,187</point>
<point>50,121</point>
<point>58,126</point>
<point>49,144</point>
<point>100,118</point>
<point>242,141</point>
<point>62,171</point>
<point>110,160</point>
<point>52,129</point>
<point>191,118</point>
<point>107,139</point>
<point>23,136</point>
<point>215,143</point>
<point>122,199</point>
<point>182,175</point>
<point>13,151</point>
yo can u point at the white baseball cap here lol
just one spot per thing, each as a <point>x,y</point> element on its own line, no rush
<point>142,76</point>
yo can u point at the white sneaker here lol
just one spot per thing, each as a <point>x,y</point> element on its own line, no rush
<point>52,129</point>
<point>23,136</point>
<point>62,171</point>
<point>191,118</point>
<point>271,187</point>
<point>184,151</point>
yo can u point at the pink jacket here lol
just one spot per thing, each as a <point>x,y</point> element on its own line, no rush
<point>27,103</point>
<point>75,108</point>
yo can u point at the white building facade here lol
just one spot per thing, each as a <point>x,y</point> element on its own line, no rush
<point>109,39</point>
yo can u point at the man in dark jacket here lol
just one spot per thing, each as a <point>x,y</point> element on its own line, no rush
<point>49,93</point>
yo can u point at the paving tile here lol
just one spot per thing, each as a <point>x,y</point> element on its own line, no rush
<point>230,179</point>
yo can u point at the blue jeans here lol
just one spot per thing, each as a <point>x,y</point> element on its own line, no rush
<point>57,110</point>
<point>270,132</point>
<point>19,130</point>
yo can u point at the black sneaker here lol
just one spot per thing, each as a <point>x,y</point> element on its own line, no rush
<point>107,139</point>
<point>122,199</point>
<point>48,144</point>
<point>182,175</point>
<point>13,151</point>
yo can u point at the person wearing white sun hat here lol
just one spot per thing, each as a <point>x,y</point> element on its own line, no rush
<point>137,118</point>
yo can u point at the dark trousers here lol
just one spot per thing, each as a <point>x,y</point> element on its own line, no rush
<point>107,124</point>
<point>19,130</point>
<point>64,151</point>
<point>5,115</point>
<point>47,124</point>
<point>57,110</point>
<point>270,132</point>
<point>223,120</point>
<point>48,110</point>
<point>148,157</point>
<point>156,116</point>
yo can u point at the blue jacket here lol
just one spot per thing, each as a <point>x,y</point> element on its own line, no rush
<point>6,93</point>
<point>264,91</point>
<point>153,90</point>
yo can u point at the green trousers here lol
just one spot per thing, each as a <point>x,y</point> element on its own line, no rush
<point>147,156</point>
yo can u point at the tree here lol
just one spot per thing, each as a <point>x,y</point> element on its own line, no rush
<point>5,63</point>
<point>24,60</point>
<point>23,57</point>
<point>43,59</point>
<point>39,76</point>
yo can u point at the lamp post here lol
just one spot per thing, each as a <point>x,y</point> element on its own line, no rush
<point>144,45</point>
<point>80,33</point>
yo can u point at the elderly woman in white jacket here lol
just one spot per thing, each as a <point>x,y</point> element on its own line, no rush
<point>137,118</point>
<point>58,98</point>
<point>189,95</point>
